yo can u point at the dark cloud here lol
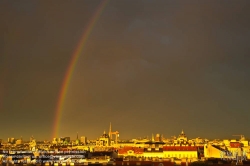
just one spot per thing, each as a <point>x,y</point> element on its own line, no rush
<point>148,67</point>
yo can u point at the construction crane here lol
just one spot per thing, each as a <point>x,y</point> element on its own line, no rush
<point>242,137</point>
<point>116,133</point>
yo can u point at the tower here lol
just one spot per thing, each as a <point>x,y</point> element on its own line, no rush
<point>110,135</point>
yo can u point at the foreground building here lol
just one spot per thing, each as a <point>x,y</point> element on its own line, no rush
<point>156,148</point>
<point>228,149</point>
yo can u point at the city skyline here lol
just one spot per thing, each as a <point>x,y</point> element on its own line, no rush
<point>149,136</point>
<point>146,66</point>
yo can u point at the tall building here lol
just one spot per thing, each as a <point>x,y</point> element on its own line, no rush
<point>158,138</point>
<point>11,140</point>
<point>83,140</point>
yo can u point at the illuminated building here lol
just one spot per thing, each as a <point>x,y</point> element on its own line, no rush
<point>11,140</point>
<point>19,141</point>
<point>104,140</point>
<point>182,139</point>
<point>156,148</point>
<point>227,149</point>
<point>83,140</point>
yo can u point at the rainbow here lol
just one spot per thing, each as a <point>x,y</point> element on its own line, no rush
<point>70,70</point>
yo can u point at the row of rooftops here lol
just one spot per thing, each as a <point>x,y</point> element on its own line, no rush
<point>138,150</point>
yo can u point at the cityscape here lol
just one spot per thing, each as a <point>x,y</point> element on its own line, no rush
<point>107,149</point>
<point>125,82</point>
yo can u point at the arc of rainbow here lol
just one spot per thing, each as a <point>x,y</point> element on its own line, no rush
<point>72,64</point>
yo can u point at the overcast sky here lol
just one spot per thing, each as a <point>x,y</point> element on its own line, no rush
<point>148,67</point>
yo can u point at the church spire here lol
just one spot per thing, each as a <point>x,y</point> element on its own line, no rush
<point>110,130</point>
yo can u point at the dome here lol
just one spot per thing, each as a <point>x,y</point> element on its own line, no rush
<point>105,136</point>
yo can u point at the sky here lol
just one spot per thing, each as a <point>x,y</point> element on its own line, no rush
<point>147,67</point>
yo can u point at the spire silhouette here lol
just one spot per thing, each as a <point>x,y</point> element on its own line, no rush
<point>110,130</point>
